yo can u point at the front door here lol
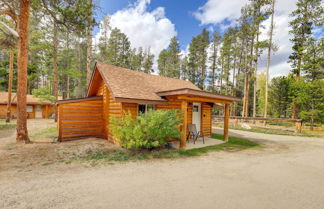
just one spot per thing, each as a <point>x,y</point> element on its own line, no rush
<point>196,115</point>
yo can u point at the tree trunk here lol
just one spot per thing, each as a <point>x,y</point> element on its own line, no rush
<point>294,115</point>
<point>89,51</point>
<point>55,66</point>
<point>11,59</point>
<point>23,21</point>
<point>221,76</point>
<point>245,84</point>
<point>312,116</point>
<point>247,95</point>
<point>68,87</point>
<point>268,63</point>
<point>249,79</point>
<point>214,68</point>
<point>255,75</point>
<point>233,89</point>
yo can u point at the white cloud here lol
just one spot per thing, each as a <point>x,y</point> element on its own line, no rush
<point>217,11</point>
<point>279,65</point>
<point>144,28</point>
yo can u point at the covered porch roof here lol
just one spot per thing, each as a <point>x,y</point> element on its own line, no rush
<point>198,96</point>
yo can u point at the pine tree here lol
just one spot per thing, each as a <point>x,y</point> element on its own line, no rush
<point>148,62</point>
<point>308,14</point>
<point>23,19</point>
<point>103,40</point>
<point>311,89</point>
<point>203,56</point>
<point>174,58</point>
<point>163,62</point>
<point>89,41</point>
<point>169,60</point>
<point>118,49</point>
<point>197,64</point>
<point>184,68</point>
<point>269,58</point>
<point>260,12</point>
<point>213,60</point>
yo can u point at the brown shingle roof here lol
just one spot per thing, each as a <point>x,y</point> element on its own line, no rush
<point>30,99</point>
<point>124,83</point>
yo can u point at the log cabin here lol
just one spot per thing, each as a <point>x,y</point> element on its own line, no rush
<point>36,108</point>
<point>114,90</point>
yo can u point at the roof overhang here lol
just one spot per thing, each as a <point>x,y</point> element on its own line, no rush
<point>28,103</point>
<point>198,95</point>
<point>79,100</point>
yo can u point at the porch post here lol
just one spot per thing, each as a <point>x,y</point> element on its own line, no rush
<point>46,111</point>
<point>183,141</point>
<point>226,122</point>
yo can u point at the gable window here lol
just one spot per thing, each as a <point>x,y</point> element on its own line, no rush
<point>144,108</point>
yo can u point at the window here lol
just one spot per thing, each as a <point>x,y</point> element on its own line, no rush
<point>195,108</point>
<point>143,108</point>
<point>29,108</point>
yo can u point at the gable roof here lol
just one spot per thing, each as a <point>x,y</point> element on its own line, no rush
<point>30,99</point>
<point>132,86</point>
<point>124,83</point>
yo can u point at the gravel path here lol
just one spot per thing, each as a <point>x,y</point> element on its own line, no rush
<point>287,173</point>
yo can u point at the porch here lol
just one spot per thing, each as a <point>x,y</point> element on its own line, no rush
<point>199,143</point>
<point>191,106</point>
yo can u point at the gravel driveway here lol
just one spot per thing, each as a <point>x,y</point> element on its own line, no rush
<point>287,173</point>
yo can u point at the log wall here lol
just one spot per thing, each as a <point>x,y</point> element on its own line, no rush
<point>80,118</point>
<point>46,113</point>
<point>206,119</point>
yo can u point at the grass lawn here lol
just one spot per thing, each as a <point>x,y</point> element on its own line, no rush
<point>50,132</point>
<point>122,155</point>
<point>269,130</point>
<point>5,126</point>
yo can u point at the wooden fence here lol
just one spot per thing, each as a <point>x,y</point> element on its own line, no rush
<point>298,122</point>
<point>80,118</point>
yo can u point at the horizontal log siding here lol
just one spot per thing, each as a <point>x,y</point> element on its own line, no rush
<point>105,111</point>
<point>206,115</point>
<point>131,108</point>
<point>110,108</point>
<point>173,104</point>
<point>80,119</point>
<point>3,111</point>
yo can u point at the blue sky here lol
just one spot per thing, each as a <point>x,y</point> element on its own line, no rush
<point>180,13</point>
<point>152,23</point>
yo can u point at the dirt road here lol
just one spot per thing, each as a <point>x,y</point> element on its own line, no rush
<point>287,173</point>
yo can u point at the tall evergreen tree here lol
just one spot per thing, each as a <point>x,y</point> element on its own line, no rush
<point>169,60</point>
<point>308,14</point>
<point>163,62</point>
<point>197,65</point>
<point>104,38</point>
<point>148,62</point>
<point>118,49</point>
<point>272,11</point>
<point>213,60</point>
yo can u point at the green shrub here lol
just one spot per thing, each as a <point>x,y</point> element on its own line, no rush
<point>146,131</point>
